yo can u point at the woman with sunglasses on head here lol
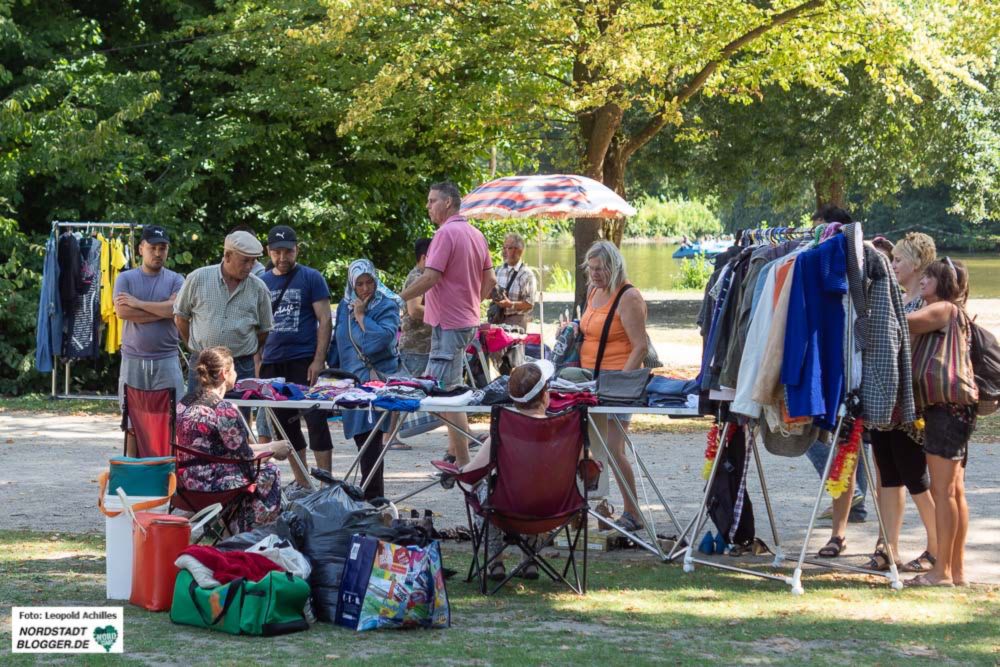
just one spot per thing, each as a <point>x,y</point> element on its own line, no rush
<point>946,395</point>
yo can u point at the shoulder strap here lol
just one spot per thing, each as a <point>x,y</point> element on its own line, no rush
<point>281,294</point>
<point>510,281</point>
<point>607,328</point>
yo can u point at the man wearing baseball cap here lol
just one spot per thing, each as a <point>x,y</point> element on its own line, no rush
<point>144,299</point>
<point>224,305</point>
<point>297,347</point>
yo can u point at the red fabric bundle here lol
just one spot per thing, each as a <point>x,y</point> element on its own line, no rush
<point>559,401</point>
<point>229,565</point>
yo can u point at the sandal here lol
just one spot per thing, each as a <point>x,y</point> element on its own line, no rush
<point>529,571</point>
<point>919,582</point>
<point>497,572</point>
<point>399,446</point>
<point>833,548</point>
<point>755,547</point>
<point>879,561</point>
<point>922,563</point>
<point>628,523</point>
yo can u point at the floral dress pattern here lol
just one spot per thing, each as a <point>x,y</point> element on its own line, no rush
<point>213,426</point>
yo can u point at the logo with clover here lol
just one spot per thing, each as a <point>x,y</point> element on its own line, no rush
<point>106,637</point>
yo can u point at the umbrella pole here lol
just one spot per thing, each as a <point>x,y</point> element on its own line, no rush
<point>541,294</point>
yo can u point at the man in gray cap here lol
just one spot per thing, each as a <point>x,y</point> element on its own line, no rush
<point>144,299</point>
<point>223,304</point>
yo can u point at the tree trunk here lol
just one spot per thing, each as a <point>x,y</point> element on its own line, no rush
<point>829,186</point>
<point>614,177</point>
<point>598,128</point>
<point>585,232</point>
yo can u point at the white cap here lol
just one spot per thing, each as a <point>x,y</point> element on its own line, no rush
<point>244,243</point>
<point>548,370</point>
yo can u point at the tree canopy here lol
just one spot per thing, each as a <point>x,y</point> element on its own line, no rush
<point>335,115</point>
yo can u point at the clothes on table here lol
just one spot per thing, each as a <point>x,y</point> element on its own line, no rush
<point>434,402</point>
<point>665,392</point>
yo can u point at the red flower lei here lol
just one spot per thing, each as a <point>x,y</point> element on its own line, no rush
<point>845,461</point>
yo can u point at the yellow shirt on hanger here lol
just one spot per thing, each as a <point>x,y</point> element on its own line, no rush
<point>112,262</point>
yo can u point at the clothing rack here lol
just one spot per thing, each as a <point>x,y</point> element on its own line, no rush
<point>85,226</point>
<point>688,536</point>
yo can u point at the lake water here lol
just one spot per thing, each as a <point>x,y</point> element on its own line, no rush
<point>651,267</point>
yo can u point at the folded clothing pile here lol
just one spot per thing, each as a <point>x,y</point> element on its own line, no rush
<point>668,392</point>
<point>495,393</point>
<point>269,389</point>
<point>560,400</point>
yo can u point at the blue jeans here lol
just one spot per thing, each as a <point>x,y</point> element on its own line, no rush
<point>817,455</point>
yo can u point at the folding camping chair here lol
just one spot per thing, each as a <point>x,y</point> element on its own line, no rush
<point>532,491</point>
<point>231,500</point>
<point>151,415</point>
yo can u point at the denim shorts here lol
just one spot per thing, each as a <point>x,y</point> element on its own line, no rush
<point>447,356</point>
<point>412,364</point>
<point>947,429</point>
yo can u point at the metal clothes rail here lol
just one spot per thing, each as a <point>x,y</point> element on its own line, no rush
<point>86,226</point>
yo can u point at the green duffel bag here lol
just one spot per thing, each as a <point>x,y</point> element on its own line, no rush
<point>271,606</point>
<point>274,605</point>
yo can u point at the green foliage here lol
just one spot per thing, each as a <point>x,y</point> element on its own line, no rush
<point>560,279</point>
<point>673,218</point>
<point>20,283</point>
<point>695,272</point>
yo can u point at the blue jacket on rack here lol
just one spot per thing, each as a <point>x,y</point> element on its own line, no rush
<point>48,332</point>
<point>813,366</point>
<point>377,342</point>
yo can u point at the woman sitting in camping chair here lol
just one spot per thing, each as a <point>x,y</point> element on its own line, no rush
<point>529,389</point>
<point>207,423</point>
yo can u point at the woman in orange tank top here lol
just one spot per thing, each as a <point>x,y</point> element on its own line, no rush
<point>624,350</point>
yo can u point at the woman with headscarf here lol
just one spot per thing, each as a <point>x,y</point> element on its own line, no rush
<point>364,343</point>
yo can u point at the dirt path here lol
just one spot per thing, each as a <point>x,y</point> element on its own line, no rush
<point>49,466</point>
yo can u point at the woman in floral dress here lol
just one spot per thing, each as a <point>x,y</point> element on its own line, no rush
<point>208,423</point>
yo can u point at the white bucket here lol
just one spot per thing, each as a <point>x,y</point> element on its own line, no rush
<point>118,545</point>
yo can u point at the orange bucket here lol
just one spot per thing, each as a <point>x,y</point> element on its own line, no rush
<point>157,541</point>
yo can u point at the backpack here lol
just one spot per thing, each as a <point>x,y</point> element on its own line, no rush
<point>985,354</point>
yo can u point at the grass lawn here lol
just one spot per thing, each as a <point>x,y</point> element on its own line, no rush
<point>636,612</point>
<point>61,406</point>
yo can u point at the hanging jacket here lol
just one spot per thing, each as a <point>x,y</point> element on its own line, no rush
<point>71,284</point>
<point>812,368</point>
<point>48,334</point>
<point>887,362</point>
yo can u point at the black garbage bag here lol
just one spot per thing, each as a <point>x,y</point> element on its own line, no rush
<point>321,526</point>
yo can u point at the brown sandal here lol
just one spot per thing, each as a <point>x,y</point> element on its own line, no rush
<point>925,562</point>
<point>879,561</point>
<point>833,548</point>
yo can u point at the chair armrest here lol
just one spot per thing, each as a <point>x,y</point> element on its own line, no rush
<point>468,477</point>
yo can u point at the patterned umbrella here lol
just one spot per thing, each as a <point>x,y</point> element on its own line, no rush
<point>555,196</point>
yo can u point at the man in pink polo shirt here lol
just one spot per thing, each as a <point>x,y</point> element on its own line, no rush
<point>458,276</point>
